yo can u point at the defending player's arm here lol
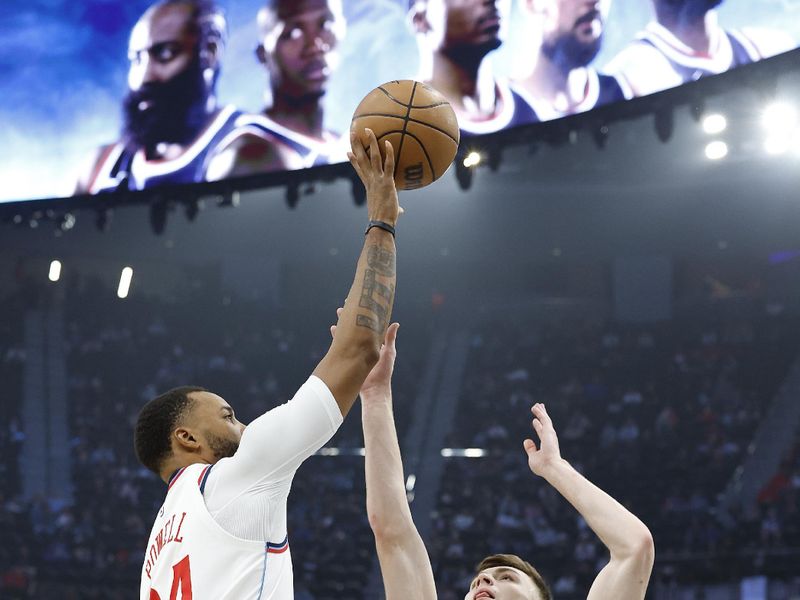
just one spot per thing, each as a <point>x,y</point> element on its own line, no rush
<point>628,540</point>
<point>404,561</point>
<point>368,308</point>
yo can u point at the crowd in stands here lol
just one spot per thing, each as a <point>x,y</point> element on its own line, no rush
<point>637,410</point>
<point>13,541</point>
<point>660,417</point>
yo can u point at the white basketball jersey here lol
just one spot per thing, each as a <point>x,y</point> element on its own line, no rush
<point>190,556</point>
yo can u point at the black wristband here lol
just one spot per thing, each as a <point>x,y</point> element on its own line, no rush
<point>379,225</point>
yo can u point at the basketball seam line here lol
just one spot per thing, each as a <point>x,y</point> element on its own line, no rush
<point>409,119</point>
<point>403,135</point>
<point>393,99</point>
<point>411,135</point>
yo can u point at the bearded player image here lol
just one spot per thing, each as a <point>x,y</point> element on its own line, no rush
<point>456,39</point>
<point>686,42</point>
<point>561,80</point>
<point>173,127</point>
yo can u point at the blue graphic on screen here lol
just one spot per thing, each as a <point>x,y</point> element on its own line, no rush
<point>105,95</point>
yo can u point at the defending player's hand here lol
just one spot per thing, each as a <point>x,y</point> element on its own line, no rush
<point>548,453</point>
<point>379,380</point>
<point>377,176</point>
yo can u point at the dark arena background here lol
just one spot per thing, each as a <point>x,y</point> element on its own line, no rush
<point>635,266</point>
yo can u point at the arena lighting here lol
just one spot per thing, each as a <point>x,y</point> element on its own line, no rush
<point>66,222</point>
<point>714,124</point>
<point>102,219</point>
<point>463,175</point>
<point>341,452</point>
<point>463,452</point>
<point>600,135</point>
<point>292,195</point>
<point>410,482</point>
<point>778,143</point>
<point>55,271</point>
<point>125,279</point>
<point>779,117</point>
<point>664,122</point>
<point>716,150</point>
<point>158,216</point>
<point>473,159</point>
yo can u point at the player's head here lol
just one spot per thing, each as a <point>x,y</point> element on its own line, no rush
<point>299,39</point>
<point>688,10</point>
<point>507,577</point>
<point>571,30</point>
<point>174,52</point>
<point>462,29</point>
<point>187,423</point>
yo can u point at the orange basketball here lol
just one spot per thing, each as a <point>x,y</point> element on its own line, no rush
<point>418,122</point>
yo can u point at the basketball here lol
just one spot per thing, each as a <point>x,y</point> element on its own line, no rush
<point>418,122</point>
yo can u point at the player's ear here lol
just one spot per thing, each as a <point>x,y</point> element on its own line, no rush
<point>185,439</point>
<point>418,17</point>
<point>209,55</point>
<point>261,54</point>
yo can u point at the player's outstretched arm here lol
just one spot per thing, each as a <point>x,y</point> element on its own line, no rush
<point>404,561</point>
<point>628,540</point>
<point>368,308</point>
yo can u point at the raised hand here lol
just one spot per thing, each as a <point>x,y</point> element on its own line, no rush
<point>377,176</point>
<point>548,454</point>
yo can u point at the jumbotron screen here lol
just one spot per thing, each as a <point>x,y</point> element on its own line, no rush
<point>104,95</point>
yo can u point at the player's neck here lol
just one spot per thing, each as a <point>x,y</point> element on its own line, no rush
<point>697,33</point>
<point>468,85</point>
<point>302,117</point>
<point>550,83</point>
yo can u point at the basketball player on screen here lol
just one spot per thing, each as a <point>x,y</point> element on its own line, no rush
<point>221,532</point>
<point>299,39</point>
<point>686,42</point>
<point>173,127</point>
<point>561,81</point>
<point>404,561</point>
<point>456,38</point>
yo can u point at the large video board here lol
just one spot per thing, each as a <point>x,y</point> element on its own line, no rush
<point>105,95</point>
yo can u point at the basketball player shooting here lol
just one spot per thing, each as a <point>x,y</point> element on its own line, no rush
<point>221,532</point>
<point>404,562</point>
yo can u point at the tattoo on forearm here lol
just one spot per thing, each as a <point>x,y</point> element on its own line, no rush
<point>382,260</point>
<point>376,296</point>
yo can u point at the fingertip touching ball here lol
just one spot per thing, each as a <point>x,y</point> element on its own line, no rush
<point>418,122</point>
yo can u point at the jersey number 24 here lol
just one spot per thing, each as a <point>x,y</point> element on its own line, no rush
<point>181,578</point>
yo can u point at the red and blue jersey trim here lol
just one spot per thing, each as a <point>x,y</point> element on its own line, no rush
<point>272,548</point>
<point>175,476</point>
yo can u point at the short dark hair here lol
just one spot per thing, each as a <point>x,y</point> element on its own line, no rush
<point>156,422</point>
<point>512,560</point>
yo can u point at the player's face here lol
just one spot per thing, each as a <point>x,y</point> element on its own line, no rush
<point>573,29</point>
<point>300,44</point>
<point>215,422</point>
<point>165,79</point>
<point>502,583</point>
<point>162,45</point>
<point>460,24</point>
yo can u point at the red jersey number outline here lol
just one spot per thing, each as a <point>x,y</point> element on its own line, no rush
<point>181,578</point>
